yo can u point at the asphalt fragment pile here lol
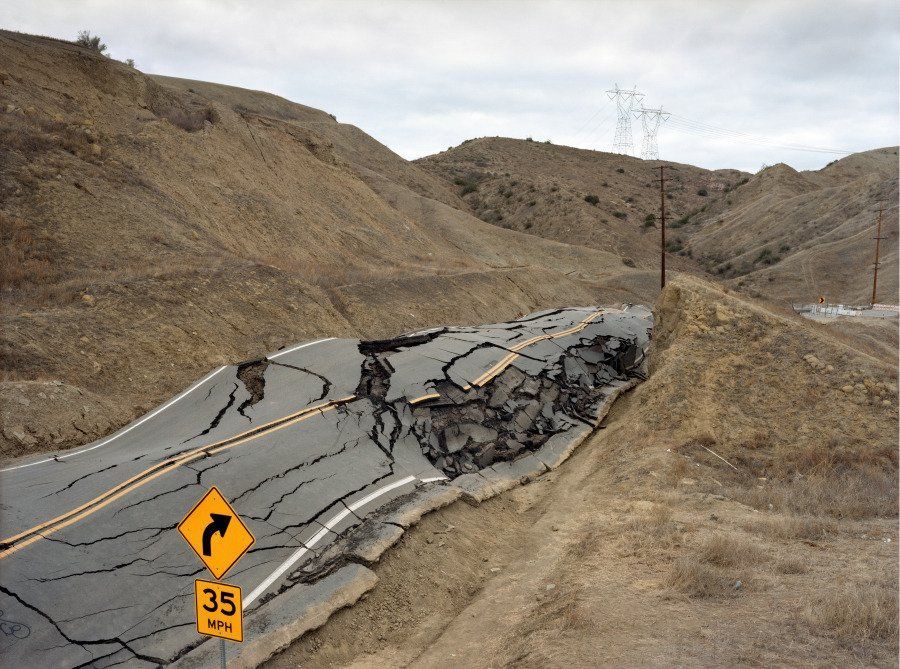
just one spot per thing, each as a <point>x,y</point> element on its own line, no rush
<point>464,428</point>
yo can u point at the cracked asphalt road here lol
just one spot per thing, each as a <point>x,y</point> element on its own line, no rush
<point>308,444</point>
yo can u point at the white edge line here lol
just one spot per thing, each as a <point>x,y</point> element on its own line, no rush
<point>154,413</point>
<point>127,429</point>
<point>289,350</point>
<point>300,552</point>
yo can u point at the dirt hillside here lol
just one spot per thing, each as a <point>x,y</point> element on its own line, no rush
<point>786,235</point>
<point>738,509</point>
<point>154,228</point>
<point>541,188</point>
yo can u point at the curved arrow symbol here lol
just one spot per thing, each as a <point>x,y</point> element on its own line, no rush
<point>218,525</point>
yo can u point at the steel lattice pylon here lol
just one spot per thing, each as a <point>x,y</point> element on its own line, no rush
<point>625,104</point>
<point>651,119</point>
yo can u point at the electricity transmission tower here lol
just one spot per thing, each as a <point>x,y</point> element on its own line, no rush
<point>625,102</point>
<point>651,119</point>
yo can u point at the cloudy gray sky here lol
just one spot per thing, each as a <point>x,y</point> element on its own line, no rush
<point>422,76</point>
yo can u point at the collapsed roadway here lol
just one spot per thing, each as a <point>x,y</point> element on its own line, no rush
<point>328,451</point>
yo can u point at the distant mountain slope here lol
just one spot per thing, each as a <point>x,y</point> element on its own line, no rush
<point>541,188</point>
<point>798,235</point>
<point>783,234</point>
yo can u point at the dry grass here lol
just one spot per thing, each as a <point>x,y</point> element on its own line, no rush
<point>864,493</point>
<point>704,571</point>
<point>809,528</point>
<point>856,613</point>
<point>651,532</point>
<point>695,578</point>
<point>725,550</point>
<point>24,259</point>
<point>792,565</point>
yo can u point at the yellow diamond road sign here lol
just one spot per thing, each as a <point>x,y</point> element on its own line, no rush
<point>214,531</point>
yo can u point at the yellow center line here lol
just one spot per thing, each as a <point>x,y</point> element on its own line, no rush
<point>507,360</point>
<point>151,473</point>
<point>157,470</point>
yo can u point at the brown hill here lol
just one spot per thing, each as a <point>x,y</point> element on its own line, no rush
<point>154,228</point>
<point>541,188</point>
<point>796,235</point>
<point>786,235</point>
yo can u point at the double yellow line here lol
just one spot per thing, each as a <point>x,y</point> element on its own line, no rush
<point>19,541</point>
<point>508,359</point>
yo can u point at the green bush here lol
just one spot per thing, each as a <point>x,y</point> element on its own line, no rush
<point>649,220</point>
<point>620,214</point>
<point>592,199</point>
<point>702,192</point>
<point>89,41</point>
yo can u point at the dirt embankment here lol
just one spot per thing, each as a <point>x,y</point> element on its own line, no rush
<point>738,509</point>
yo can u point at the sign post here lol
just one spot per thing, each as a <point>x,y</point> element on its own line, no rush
<point>219,538</point>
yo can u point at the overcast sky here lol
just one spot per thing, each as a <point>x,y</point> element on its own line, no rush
<point>422,76</point>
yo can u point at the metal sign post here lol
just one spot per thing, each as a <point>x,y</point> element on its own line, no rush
<point>219,538</point>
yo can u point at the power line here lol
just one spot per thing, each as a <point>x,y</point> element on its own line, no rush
<point>701,129</point>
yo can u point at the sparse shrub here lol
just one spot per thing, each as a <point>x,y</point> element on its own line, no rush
<point>766,257</point>
<point>129,62</point>
<point>702,192</point>
<point>628,199</point>
<point>628,262</point>
<point>620,214</point>
<point>592,199</point>
<point>620,170</point>
<point>531,203</point>
<point>89,41</point>
<point>528,225</point>
<point>784,247</point>
<point>681,222</point>
<point>529,139</point>
<point>467,186</point>
<point>649,220</point>
<point>674,246</point>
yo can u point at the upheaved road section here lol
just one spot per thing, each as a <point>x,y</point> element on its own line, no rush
<point>327,451</point>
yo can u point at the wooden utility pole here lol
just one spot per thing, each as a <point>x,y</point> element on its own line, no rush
<point>662,227</point>
<point>878,239</point>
